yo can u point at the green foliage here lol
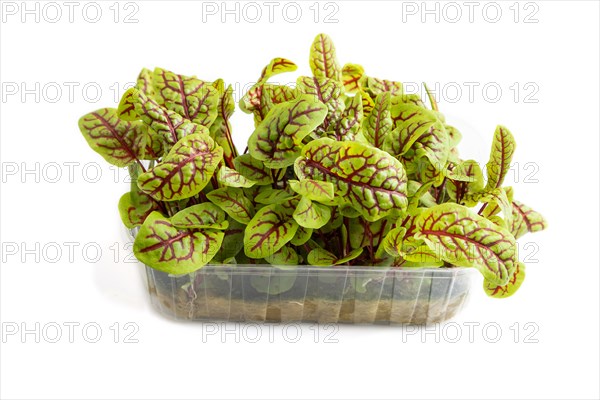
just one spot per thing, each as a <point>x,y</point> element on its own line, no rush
<point>185,170</point>
<point>161,244</point>
<point>343,169</point>
<point>463,238</point>
<point>277,141</point>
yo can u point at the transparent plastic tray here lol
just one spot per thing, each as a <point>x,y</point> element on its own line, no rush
<point>355,295</point>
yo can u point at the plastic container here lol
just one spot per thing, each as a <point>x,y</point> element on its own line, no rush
<point>355,295</point>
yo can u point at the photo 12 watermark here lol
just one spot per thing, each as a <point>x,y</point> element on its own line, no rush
<point>250,332</point>
<point>67,252</point>
<point>54,92</point>
<point>527,92</point>
<point>73,252</point>
<point>62,92</point>
<point>295,332</point>
<point>91,92</point>
<point>452,12</point>
<point>54,12</point>
<point>472,332</point>
<point>64,172</point>
<point>253,12</point>
<point>69,332</point>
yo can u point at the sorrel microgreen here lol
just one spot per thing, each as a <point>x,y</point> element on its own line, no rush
<point>344,168</point>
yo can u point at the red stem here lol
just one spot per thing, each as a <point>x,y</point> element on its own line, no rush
<point>482,208</point>
<point>141,165</point>
<point>440,191</point>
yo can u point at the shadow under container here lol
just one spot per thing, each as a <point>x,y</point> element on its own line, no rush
<point>341,294</point>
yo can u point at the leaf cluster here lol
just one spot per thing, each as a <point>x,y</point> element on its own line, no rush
<point>342,169</point>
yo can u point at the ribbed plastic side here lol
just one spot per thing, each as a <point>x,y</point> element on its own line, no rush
<point>354,295</point>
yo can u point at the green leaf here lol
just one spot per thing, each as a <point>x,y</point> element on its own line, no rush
<point>144,82</point>
<point>419,195</point>
<point>262,98</point>
<point>353,77</point>
<point>397,102</point>
<point>220,129</point>
<point>302,236</point>
<point>454,135</point>
<point>453,154</point>
<point>185,171</point>
<point>498,197</point>
<point>432,100</point>
<point>326,91</point>
<point>379,122</point>
<point>313,190</point>
<point>118,142</point>
<point>313,215</point>
<point>363,233</point>
<point>336,221</point>
<point>323,59</point>
<point>166,123</point>
<point>377,86</point>
<point>278,139</point>
<point>425,171</point>
<point>351,119</point>
<point>464,180</point>
<point>525,219</point>
<point>271,95</point>
<point>252,191</point>
<point>253,169</point>
<point>190,97</point>
<point>320,257</point>
<point>233,202</point>
<point>492,208</point>
<point>368,179</point>
<point>392,242</point>
<point>137,196</point>
<point>126,109</point>
<point>464,238</point>
<point>230,177</point>
<point>204,215</point>
<point>270,229</point>
<point>503,147</point>
<point>233,241</point>
<point>367,102</point>
<point>510,288</point>
<point>251,102</point>
<point>284,256</point>
<point>166,248</point>
<point>465,171</point>
<point>277,66</point>
<point>269,195</point>
<point>401,262</point>
<point>134,213</point>
<point>346,210</point>
<point>498,221</point>
<point>419,129</point>
<point>423,254</point>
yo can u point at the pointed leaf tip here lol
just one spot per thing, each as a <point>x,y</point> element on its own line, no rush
<point>323,58</point>
<point>503,148</point>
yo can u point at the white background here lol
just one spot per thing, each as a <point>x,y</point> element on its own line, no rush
<point>557,56</point>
